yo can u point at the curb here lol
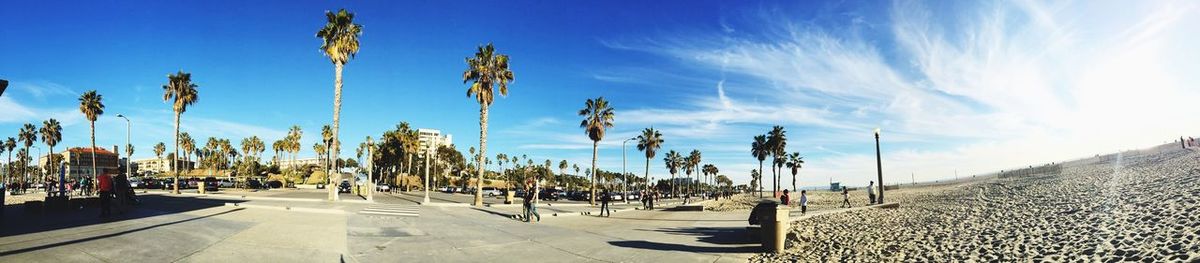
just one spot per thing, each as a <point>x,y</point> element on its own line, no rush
<point>264,198</point>
<point>444,204</point>
<point>289,208</point>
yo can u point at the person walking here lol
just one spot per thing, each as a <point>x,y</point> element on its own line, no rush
<point>532,212</point>
<point>803,201</point>
<point>845,197</point>
<point>604,199</point>
<point>652,195</point>
<point>785,199</point>
<point>871,192</point>
<point>642,195</point>
<point>121,192</point>
<point>105,187</point>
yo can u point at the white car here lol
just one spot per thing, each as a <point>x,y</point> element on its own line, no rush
<point>491,191</point>
<point>382,188</point>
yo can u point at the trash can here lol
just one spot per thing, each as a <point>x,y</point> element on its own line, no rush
<point>773,219</point>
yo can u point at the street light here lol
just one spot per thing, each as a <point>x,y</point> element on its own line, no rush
<point>879,165</point>
<point>428,159</point>
<point>128,159</point>
<point>370,179</point>
<point>625,182</point>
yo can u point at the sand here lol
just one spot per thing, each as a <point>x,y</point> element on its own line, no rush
<point>1133,206</point>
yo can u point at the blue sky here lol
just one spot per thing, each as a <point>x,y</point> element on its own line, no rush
<point>970,87</point>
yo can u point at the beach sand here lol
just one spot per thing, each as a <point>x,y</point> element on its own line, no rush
<point>1133,206</point>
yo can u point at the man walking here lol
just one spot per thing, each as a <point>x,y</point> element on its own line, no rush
<point>785,199</point>
<point>105,188</point>
<point>532,207</point>
<point>871,192</point>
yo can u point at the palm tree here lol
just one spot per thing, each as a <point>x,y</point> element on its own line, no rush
<point>673,161</point>
<point>500,159</point>
<point>489,74</point>
<point>159,149</point>
<point>339,42</point>
<point>776,144</point>
<point>597,117</point>
<point>649,142</point>
<point>92,106</point>
<point>694,161</point>
<point>27,135</point>
<point>188,146</point>
<point>181,92</point>
<point>795,161</point>
<point>687,169</point>
<point>293,145</point>
<point>9,144</point>
<point>760,151</point>
<point>51,135</point>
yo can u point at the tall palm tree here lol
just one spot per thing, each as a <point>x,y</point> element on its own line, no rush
<point>673,162</point>
<point>51,135</point>
<point>562,169</point>
<point>92,106</point>
<point>776,144</point>
<point>339,42</point>
<point>327,139</point>
<point>597,118</point>
<point>293,139</point>
<point>694,161</point>
<point>760,150</point>
<point>795,161</point>
<point>9,144</point>
<point>489,74</point>
<point>27,135</point>
<point>500,159</point>
<point>649,142</point>
<point>687,169</point>
<point>181,92</point>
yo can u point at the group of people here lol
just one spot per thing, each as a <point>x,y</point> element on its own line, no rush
<point>786,199</point>
<point>870,195</point>
<point>1189,142</point>
<point>648,199</point>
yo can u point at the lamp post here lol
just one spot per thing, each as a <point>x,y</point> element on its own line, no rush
<point>879,165</point>
<point>624,182</point>
<point>39,165</point>
<point>128,131</point>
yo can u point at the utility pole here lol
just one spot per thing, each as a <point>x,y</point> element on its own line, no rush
<point>879,165</point>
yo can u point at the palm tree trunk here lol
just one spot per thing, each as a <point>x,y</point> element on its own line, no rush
<point>793,181</point>
<point>483,116</point>
<point>592,197</point>
<point>337,111</point>
<point>93,125</point>
<point>174,163</point>
<point>647,176</point>
<point>759,179</point>
<point>673,185</point>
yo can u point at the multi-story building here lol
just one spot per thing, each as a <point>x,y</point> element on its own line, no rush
<point>158,165</point>
<point>431,139</point>
<point>79,161</point>
<point>285,163</point>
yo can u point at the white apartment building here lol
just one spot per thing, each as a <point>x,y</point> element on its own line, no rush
<point>431,139</point>
<point>285,163</point>
<point>159,165</point>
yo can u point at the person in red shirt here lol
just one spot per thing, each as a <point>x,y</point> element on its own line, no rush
<point>104,185</point>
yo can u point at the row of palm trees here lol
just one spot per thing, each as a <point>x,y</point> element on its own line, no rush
<point>773,145</point>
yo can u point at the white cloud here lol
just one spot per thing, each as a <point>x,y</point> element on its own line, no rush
<point>998,85</point>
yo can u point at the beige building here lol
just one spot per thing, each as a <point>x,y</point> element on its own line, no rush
<point>158,165</point>
<point>431,139</point>
<point>79,161</point>
<point>285,163</point>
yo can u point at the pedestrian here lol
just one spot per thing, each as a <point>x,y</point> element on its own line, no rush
<point>642,195</point>
<point>530,195</point>
<point>785,199</point>
<point>105,187</point>
<point>604,199</point>
<point>121,192</point>
<point>871,192</point>
<point>653,194</point>
<point>845,197</point>
<point>803,201</point>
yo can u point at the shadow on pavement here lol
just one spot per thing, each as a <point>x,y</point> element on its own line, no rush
<point>18,221</point>
<point>726,239</point>
<point>64,243</point>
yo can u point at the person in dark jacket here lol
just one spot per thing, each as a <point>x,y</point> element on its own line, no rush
<point>604,199</point>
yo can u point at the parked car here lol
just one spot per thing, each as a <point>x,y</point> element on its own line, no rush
<point>491,191</point>
<point>344,187</point>
<point>226,184</point>
<point>151,184</point>
<point>135,183</point>
<point>449,190</point>
<point>211,184</point>
<point>275,184</point>
<point>254,184</point>
<point>549,194</point>
<point>383,188</point>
